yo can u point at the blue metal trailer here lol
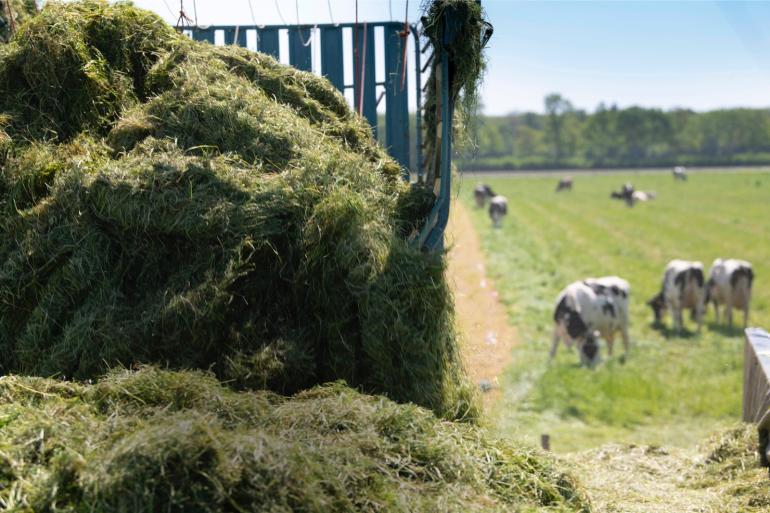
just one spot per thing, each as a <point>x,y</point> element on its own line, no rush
<point>302,43</point>
<point>333,53</point>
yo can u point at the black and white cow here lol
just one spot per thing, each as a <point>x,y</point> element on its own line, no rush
<point>588,309</point>
<point>482,193</point>
<point>626,194</point>
<point>642,196</point>
<point>631,196</point>
<point>498,208</point>
<point>682,289</point>
<point>680,173</point>
<point>729,284</point>
<point>565,184</point>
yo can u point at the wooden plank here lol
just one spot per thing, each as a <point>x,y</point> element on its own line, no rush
<point>756,387</point>
<point>241,39</point>
<point>301,48</point>
<point>268,42</point>
<point>365,70</point>
<point>236,36</point>
<point>229,36</point>
<point>397,97</point>
<point>204,34</point>
<point>331,56</point>
<point>756,375</point>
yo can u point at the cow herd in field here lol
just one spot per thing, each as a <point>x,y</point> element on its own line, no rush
<point>596,308</point>
<point>498,204</point>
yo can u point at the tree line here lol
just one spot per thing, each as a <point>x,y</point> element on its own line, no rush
<point>566,137</point>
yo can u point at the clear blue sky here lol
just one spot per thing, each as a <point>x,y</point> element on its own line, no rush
<point>697,54</point>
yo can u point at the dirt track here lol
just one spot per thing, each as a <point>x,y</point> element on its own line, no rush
<point>481,318</point>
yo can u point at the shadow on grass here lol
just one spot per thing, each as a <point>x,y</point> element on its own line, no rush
<point>668,332</point>
<point>725,330</point>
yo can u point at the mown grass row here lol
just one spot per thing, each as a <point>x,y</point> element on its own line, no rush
<point>674,389</point>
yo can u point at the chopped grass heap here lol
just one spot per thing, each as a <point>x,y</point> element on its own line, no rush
<point>155,440</point>
<point>170,202</point>
<point>731,467</point>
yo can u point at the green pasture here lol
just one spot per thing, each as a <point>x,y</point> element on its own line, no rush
<point>674,389</point>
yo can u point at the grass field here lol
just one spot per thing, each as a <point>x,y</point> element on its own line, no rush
<point>674,390</point>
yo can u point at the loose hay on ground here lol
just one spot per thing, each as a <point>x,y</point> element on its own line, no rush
<point>722,477</point>
<point>154,440</point>
<point>172,202</point>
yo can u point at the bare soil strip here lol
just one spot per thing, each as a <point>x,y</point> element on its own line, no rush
<point>481,318</point>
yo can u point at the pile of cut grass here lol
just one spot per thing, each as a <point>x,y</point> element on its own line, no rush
<point>154,440</point>
<point>166,201</point>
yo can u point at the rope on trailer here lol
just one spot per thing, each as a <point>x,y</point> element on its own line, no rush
<point>183,20</point>
<point>254,21</point>
<point>280,14</point>
<point>168,7</point>
<point>299,28</point>
<point>404,43</point>
<point>331,18</point>
<point>195,12</point>
<point>251,10</point>
<point>390,9</point>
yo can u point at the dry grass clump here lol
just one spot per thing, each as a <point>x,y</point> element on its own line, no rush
<point>722,477</point>
<point>165,201</point>
<point>731,466</point>
<point>154,440</point>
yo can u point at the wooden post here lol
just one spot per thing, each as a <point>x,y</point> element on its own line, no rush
<point>545,441</point>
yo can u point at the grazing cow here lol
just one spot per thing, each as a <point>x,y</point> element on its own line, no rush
<point>588,309</point>
<point>680,173</point>
<point>482,193</point>
<point>565,184</point>
<point>682,289</point>
<point>642,196</point>
<point>626,194</point>
<point>729,283</point>
<point>498,208</point>
<point>631,196</point>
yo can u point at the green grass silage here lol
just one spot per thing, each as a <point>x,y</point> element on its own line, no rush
<point>172,202</point>
<point>673,390</point>
<point>155,440</point>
